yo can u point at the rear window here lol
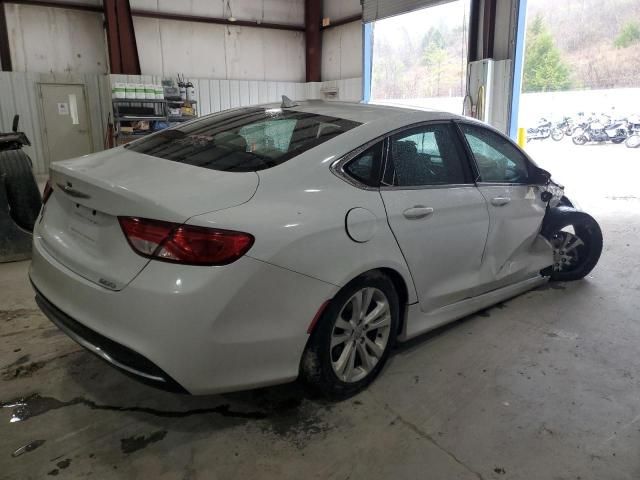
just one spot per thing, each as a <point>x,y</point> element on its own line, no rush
<point>244,140</point>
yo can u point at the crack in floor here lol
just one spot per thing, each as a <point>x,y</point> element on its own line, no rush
<point>34,405</point>
<point>424,435</point>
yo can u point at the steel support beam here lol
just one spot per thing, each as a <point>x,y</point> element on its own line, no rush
<point>313,39</point>
<point>121,38</point>
<point>5,51</point>
<point>488,28</point>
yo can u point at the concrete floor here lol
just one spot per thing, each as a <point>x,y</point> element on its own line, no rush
<point>545,386</point>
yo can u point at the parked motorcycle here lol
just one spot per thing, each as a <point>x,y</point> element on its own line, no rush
<point>601,130</point>
<point>633,140</point>
<point>541,131</point>
<point>562,128</point>
<point>13,140</point>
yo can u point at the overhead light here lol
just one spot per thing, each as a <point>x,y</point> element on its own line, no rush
<point>232,19</point>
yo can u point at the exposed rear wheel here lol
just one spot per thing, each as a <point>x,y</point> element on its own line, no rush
<point>633,141</point>
<point>352,340</point>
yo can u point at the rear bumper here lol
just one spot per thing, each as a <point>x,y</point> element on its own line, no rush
<point>206,329</point>
<point>119,356</point>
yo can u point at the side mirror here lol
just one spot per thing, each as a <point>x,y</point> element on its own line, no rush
<point>16,119</point>
<point>540,176</point>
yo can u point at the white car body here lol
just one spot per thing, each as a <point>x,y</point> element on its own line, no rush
<point>245,324</point>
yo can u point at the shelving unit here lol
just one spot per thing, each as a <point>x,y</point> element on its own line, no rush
<point>160,113</point>
<point>182,104</point>
<point>157,112</point>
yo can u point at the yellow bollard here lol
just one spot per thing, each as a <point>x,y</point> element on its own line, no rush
<point>522,137</point>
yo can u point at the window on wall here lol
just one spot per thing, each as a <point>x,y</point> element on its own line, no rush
<point>420,57</point>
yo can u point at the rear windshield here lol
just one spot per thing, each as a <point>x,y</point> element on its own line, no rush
<point>244,140</point>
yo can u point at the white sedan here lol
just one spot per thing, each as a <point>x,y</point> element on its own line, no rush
<point>262,244</point>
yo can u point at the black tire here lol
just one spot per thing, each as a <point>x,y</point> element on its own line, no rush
<point>316,367</point>
<point>21,186</point>
<point>579,139</point>
<point>587,255</point>
<point>633,141</point>
<point>557,134</point>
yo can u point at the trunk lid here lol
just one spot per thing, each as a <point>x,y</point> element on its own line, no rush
<point>79,225</point>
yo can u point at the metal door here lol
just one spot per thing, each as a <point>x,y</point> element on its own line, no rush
<point>66,125</point>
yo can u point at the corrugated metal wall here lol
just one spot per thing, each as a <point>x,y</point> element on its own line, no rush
<point>19,94</point>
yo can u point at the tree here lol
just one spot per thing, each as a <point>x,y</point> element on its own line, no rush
<point>544,70</point>
<point>434,59</point>
<point>628,35</point>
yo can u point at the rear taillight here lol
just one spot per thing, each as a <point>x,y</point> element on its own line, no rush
<point>187,244</point>
<point>46,192</point>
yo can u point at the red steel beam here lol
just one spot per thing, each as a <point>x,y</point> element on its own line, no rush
<point>488,28</point>
<point>121,38</point>
<point>313,39</point>
<point>5,51</point>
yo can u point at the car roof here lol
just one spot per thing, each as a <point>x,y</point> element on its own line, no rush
<point>366,112</point>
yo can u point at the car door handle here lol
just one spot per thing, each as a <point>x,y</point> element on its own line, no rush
<point>417,212</point>
<point>500,201</point>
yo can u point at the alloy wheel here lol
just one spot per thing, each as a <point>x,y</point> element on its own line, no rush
<point>566,254</point>
<point>360,334</point>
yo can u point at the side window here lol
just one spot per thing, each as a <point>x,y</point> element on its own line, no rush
<point>497,159</point>
<point>365,168</point>
<point>426,155</point>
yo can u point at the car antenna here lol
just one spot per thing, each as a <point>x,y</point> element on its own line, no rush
<point>287,102</point>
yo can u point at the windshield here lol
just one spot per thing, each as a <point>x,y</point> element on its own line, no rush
<point>243,140</point>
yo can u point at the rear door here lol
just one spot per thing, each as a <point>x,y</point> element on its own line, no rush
<point>515,207</point>
<point>435,211</point>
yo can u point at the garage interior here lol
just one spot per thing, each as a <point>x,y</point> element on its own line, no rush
<point>544,385</point>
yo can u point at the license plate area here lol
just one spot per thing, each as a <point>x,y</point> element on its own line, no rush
<point>86,225</point>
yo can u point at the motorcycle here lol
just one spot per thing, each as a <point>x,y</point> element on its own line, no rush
<point>565,127</point>
<point>633,141</point>
<point>13,140</point>
<point>541,132</point>
<point>601,130</point>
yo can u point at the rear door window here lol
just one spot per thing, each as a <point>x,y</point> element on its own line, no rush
<point>243,140</point>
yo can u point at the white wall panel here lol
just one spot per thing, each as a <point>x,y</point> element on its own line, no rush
<point>339,9</point>
<point>47,40</point>
<point>342,52</point>
<point>270,11</point>
<point>168,47</point>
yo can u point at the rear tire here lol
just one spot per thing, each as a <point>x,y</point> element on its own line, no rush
<point>577,253</point>
<point>557,134</point>
<point>22,190</point>
<point>347,350</point>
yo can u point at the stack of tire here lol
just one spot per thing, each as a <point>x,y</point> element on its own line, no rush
<point>23,196</point>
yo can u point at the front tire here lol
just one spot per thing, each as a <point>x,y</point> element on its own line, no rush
<point>633,141</point>
<point>576,239</point>
<point>557,134</point>
<point>353,339</point>
<point>579,139</point>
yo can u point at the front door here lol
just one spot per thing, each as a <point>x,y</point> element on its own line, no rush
<point>515,207</point>
<point>67,130</point>
<point>436,213</point>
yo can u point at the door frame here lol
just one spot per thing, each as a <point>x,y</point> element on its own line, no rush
<point>43,129</point>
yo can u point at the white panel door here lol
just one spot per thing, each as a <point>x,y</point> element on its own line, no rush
<point>67,129</point>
